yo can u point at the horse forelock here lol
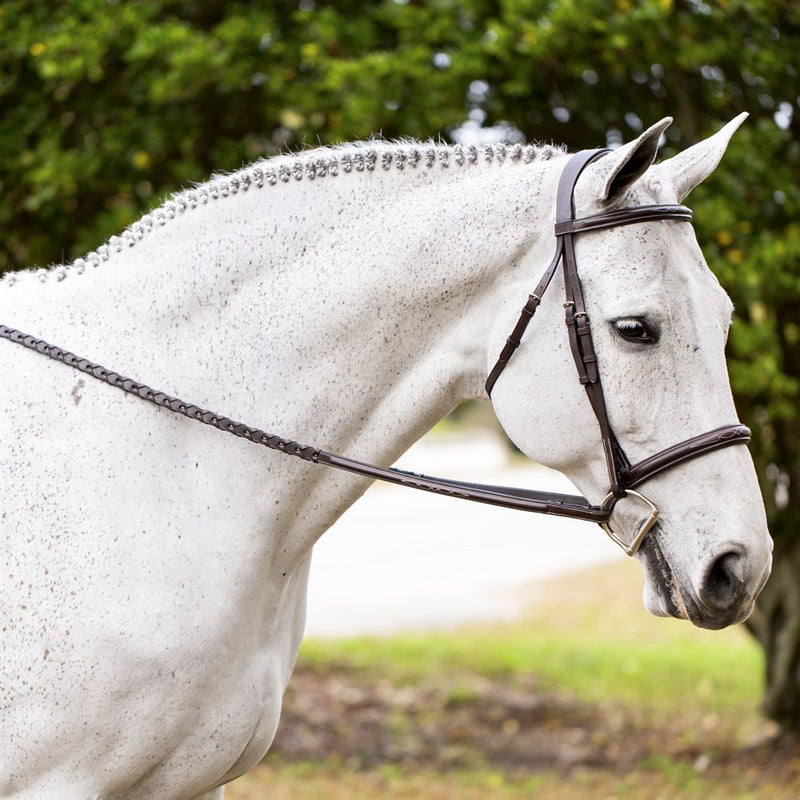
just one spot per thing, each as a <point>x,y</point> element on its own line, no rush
<point>403,156</point>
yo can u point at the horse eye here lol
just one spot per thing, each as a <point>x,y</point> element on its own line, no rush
<point>635,330</point>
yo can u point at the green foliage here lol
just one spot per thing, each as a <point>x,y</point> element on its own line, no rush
<point>109,105</point>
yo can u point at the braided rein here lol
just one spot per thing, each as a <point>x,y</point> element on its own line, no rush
<point>160,399</point>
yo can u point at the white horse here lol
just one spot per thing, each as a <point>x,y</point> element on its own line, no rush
<point>154,571</point>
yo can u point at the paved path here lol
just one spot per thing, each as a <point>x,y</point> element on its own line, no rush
<point>401,559</point>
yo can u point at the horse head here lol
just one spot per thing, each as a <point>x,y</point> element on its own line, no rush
<point>658,322</point>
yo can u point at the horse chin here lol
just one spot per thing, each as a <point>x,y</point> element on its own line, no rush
<point>660,595</point>
<point>663,596</point>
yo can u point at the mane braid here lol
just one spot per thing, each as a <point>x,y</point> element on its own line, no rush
<point>369,156</point>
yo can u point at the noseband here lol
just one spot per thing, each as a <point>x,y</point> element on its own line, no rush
<point>623,476</point>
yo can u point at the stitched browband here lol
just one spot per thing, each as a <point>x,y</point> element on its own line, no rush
<point>622,475</point>
<point>624,216</point>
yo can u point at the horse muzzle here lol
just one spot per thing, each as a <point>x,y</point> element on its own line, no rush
<point>723,592</point>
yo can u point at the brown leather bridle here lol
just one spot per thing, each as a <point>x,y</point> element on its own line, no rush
<point>623,476</point>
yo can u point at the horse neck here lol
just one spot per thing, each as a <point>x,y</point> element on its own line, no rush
<point>353,311</point>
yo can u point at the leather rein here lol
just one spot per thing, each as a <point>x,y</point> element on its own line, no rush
<point>623,476</point>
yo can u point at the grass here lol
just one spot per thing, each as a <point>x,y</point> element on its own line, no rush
<point>320,782</point>
<point>591,639</point>
<point>585,637</point>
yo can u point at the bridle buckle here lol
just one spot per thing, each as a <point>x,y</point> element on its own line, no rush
<point>610,500</point>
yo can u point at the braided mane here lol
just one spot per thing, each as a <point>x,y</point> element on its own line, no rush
<point>323,162</point>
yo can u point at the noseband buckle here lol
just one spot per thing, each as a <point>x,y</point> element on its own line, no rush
<point>608,504</point>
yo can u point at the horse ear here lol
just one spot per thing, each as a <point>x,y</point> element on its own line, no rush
<point>621,168</point>
<point>696,163</point>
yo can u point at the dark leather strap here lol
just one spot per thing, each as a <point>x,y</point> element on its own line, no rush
<point>723,436</point>
<point>564,212</point>
<point>161,399</point>
<point>577,318</point>
<point>526,315</point>
<point>624,216</point>
<point>563,505</point>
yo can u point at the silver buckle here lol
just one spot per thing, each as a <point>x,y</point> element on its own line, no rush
<point>610,501</point>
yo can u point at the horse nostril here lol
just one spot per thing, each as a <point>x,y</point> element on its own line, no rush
<point>725,581</point>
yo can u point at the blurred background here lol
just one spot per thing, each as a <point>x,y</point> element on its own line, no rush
<point>106,107</point>
<point>428,562</point>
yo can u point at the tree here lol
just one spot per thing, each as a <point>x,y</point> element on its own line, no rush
<point>107,106</point>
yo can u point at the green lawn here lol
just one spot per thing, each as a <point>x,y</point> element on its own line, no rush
<point>685,700</point>
<point>588,635</point>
